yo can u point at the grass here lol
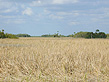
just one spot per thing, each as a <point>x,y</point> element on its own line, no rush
<point>54,60</point>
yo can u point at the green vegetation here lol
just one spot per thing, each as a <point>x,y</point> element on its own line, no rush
<point>3,35</point>
<point>90,35</point>
<point>47,35</point>
<point>53,35</point>
<point>107,35</point>
<point>23,35</point>
<point>70,35</point>
<point>81,34</point>
<point>11,36</point>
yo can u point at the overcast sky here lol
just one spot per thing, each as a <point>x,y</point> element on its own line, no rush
<point>37,17</point>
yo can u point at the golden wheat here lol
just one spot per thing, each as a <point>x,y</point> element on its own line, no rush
<point>54,60</point>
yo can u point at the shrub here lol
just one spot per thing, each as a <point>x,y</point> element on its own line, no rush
<point>3,35</point>
<point>23,35</point>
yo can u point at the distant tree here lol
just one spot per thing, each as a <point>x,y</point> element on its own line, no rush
<point>3,30</point>
<point>107,35</point>
<point>90,35</point>
<point>3,35</point>
<point>70,35</point>
<point>11,36</point>
<point>57,32</point>
<point>23,35</point>
<point>56,35</point>
<point>81,34</point>
<point>102,35</point>
<point>61,35</point>
<point>74,33</point>
<point>52,35</point>
<point>97,30</point>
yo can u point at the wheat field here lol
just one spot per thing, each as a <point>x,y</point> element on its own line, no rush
<point>54,60</point>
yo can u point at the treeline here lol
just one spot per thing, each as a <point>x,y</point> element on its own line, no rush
<point>90,35</point>
<point>6,35</point>
<point>23,35</point>
<point>53,35</point>
<point>81,34</point>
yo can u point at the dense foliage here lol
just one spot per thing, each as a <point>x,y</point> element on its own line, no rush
<point>3,35</point>
<point>23,35</point>
<point>70,35</point>
<point>90,35</point>
<point>81,34</point>
<point>53,35</point>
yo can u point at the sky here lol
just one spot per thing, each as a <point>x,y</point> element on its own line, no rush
<point>38,17</point>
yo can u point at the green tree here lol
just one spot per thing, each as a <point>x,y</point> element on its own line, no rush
<point>81,34</point>
<point>23,35</point>
<point>97,30</point>
<point>70,35</point>
<point>3,35</point>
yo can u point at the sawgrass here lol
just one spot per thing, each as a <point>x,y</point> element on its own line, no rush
<point>54,60</point>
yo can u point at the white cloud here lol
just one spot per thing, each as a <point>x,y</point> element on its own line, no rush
<point>64,13</point>
<point>68,14</point>
<point>73,23</point>
<point>27,11</point>
<point>58,1</point>
<point>12,9</point>
<point>5,4</point>
<point>46,2</point>
<point>36,3</point>
<point>46,11</point>
<point>15,21</point>
<point>22,6</point>
<point>12,19</point>
<point>64,1</point>
<point>6,17</point>
<point>76,14</point>
<point>55,16</point>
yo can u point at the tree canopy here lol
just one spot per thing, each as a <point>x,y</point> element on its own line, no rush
<point>97,34</point>
<point>23,35</point>
<point>81,34</point>
<point>6,35</point>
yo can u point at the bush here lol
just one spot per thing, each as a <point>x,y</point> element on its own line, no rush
<point>10,36</point>
<point>99,35</point>
<point>81,35</point>
<point>90,35</point>
<point>70,35</point>
<point>3,35</point>
<point>23,35</point>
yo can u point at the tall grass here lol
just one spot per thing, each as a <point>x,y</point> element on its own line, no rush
<point>54,60</point>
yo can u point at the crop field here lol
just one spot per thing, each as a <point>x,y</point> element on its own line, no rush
<point>54,60</point>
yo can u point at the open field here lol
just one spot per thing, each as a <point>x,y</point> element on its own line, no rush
<point>54,60</point>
